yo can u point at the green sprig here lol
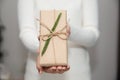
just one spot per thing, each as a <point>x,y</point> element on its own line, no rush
<point>53,29</point>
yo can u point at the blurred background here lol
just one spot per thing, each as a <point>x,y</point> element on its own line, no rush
<point>103,55</point>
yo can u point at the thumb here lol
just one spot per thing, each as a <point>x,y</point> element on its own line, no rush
<point>38,51</point>
<point>40,69</point>
<point>68,30</point>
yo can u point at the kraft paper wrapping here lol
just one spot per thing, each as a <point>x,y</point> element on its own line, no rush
<point>57,52</point>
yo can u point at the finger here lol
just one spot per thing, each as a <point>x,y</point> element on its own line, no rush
<point>38,65</point>
<point>50,70</point>
<point>41,70</point>
<point>46,69</point>
<point>67,68</point>
<point>59,69</point>
<point>53,68</point>
<point>38,51</point>
<point>64,68</point>
<point>68,29</point>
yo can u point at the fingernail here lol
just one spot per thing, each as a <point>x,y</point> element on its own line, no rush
<point>40,72</point>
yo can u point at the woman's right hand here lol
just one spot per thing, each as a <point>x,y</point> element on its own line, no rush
<point>51,69</point>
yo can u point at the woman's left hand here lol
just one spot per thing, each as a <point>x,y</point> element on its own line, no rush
<point>56,69</point>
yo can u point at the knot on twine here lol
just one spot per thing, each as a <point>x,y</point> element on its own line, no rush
<point>53,33</point>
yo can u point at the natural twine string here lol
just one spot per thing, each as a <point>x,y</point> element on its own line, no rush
<point>52,34</point>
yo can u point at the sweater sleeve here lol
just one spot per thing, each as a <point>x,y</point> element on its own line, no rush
<point>27,26</point>
<point>88,33</point>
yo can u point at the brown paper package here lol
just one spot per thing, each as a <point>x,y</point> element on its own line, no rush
<point>57,51</point>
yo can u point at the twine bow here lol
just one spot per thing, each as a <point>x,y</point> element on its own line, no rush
<point>53,33</point>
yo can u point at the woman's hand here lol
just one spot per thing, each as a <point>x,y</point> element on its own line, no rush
<point>53,69</point>
<point>57,69</point>
<point>68,30</point>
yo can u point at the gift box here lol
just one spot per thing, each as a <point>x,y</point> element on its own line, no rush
<point>53,38</point>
